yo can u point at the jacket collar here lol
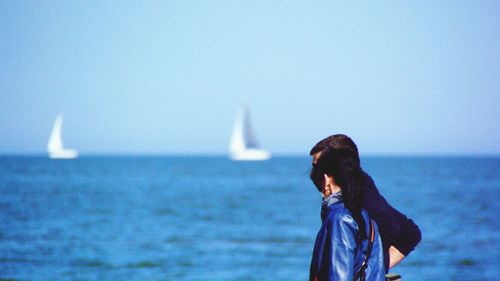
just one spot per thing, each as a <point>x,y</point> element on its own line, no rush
<point>332,199</point>
<point>329,201</point>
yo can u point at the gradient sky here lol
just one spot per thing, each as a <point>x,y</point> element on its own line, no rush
<point>400,77</point>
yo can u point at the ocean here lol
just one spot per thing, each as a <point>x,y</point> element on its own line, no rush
<point>208,218</point>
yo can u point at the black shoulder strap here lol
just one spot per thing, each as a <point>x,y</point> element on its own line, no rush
<point>361,272</point>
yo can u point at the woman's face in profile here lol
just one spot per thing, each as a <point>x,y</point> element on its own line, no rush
<point>318,179</point>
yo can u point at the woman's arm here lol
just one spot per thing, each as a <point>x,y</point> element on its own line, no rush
<point>379,210</point>
<point>396,230</point>
<point>395,256</point>
<point>408,238</point>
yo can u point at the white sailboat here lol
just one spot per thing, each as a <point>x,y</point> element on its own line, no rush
<point>55,147</point>
<point>243,144</point>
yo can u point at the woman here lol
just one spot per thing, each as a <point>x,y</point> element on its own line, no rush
<point>399,234</point>
<point>348,245</point>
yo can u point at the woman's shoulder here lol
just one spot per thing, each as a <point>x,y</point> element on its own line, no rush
<point>339,213</point>
<point>341,227</point>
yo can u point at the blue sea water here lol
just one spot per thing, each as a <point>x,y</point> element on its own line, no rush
<point>208,218</point>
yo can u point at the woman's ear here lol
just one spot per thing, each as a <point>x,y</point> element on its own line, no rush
<point>328,180</point>
<point>327,185</point>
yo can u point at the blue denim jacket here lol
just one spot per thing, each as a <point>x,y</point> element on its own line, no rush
<point>337,255</point>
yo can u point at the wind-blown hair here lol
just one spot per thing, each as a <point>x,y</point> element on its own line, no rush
<point>343,165</point>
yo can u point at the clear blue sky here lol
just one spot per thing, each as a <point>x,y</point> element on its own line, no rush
<point>400,77</point>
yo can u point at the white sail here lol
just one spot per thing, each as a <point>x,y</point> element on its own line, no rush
<point>55,147</point>
<point>243,144</point>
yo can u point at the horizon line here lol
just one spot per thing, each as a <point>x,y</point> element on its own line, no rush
<point>282,154</point>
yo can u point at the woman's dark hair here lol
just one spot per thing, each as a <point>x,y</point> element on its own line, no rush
<point>338,141</point>
<point>343,165</point>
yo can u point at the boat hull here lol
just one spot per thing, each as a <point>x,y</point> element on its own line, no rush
<point>64,154</point>
<point>250,155</point>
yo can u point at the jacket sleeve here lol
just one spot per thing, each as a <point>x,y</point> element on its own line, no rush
<point>379,210</point>
<point>342,247</point>
<point>410,236</point>
<point>395,228</point>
